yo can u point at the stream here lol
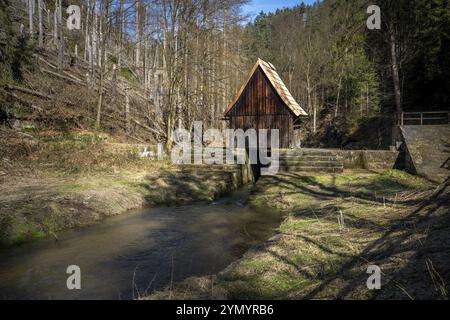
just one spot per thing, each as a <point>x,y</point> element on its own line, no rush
<point>127,256</point>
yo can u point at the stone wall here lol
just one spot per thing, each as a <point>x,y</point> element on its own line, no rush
<point>371,159</point>
<point>428,151</point>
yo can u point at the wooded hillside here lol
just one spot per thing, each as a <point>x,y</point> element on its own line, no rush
<point>141,68</point>
<point>351,79</point>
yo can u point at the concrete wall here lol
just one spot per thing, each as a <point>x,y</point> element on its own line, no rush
<point>371,159</point>
<point>428,151</point>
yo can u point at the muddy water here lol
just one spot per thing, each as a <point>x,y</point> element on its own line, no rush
<point>136,253</point>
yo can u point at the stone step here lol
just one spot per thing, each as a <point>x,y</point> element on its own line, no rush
<point>311,158</point>
<point>309,152</point>
<point>314,154</point>
<point>211,167</point>
<point>301,163</point>
<point>311,169</point>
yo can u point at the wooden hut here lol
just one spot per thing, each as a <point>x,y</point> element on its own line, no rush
<point>264,102</point>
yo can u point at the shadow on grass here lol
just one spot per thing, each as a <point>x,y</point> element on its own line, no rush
<point>393,242</point>
<point>412,268</point>
<point>170,187</point>
<point>310,186</point>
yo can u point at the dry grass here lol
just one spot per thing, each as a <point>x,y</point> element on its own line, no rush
<point>55,183</point>
<point>336,226</point>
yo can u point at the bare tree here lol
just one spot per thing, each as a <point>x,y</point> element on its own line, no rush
<point>31,6</point>
<point>40,7</point>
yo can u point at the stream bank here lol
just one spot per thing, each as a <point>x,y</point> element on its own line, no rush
<point>40,207</point>
<point>47,187</point>
<point>131,255</point>
<point>336,226</point>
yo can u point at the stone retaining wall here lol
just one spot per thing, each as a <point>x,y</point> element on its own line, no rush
<point>371,159</point>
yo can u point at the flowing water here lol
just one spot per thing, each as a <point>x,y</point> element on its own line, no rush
<point>126,256</point>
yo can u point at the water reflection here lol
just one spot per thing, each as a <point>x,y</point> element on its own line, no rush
<point>144,250</point>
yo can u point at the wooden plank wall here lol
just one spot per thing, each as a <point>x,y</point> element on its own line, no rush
<point>260,107</point>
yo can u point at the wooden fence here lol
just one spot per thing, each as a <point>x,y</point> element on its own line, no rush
<point>422,118</point>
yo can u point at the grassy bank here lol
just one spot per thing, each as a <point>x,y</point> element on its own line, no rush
<point>336,227</point>
<point>49,186</point>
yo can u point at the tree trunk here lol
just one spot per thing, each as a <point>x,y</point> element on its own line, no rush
<point>31,4</point>
<point>368,98</point>
<point>61,38</point>
<point>315,105</point>
<point>127,110</point>
<point>314,119</point>
<point>100,101</point>
<point>41,32</point>
<point>395,72</point>
<point>138,32</point>
<point>101,38</point>
<point>338,97</point>
<point>55,23</point>
<point>145,53</point>
<point>121,23</point>
<point>86,36</point>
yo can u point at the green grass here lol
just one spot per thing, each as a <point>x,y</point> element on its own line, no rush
<point>64,183</point>
<point>313,246</point>
<point>127,74</point>
<point>31,222</point>
<point>314,256</point>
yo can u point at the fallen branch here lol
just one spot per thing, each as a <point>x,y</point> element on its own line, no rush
<point>25,102</point>
<point>35,93</point>
<point>135,138</point>
<point>62,77</point>
<point>148,128</point>
<point>155,123</point>
<point>118,119</point>
<point>46,62</point>
<point>28,91</point>
<point>72,76</point>
<point>26,135</point>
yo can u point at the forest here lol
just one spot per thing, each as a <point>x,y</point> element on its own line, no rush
<point>155,65</point>
<point>95,204</point>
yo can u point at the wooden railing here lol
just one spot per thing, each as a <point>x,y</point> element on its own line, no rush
<point>422,118</point>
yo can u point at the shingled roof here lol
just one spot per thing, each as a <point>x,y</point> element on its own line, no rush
<point>277,84</point>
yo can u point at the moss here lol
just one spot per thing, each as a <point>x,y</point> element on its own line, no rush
<point>30,222</point>
<point>21,230</point>
<point>258,266</point>
<point>296,225</point>
<point>87,155</point>
<point>19,113</point>
<point>277,285</point>
<point>127,74</point>
<point>82,199</point>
